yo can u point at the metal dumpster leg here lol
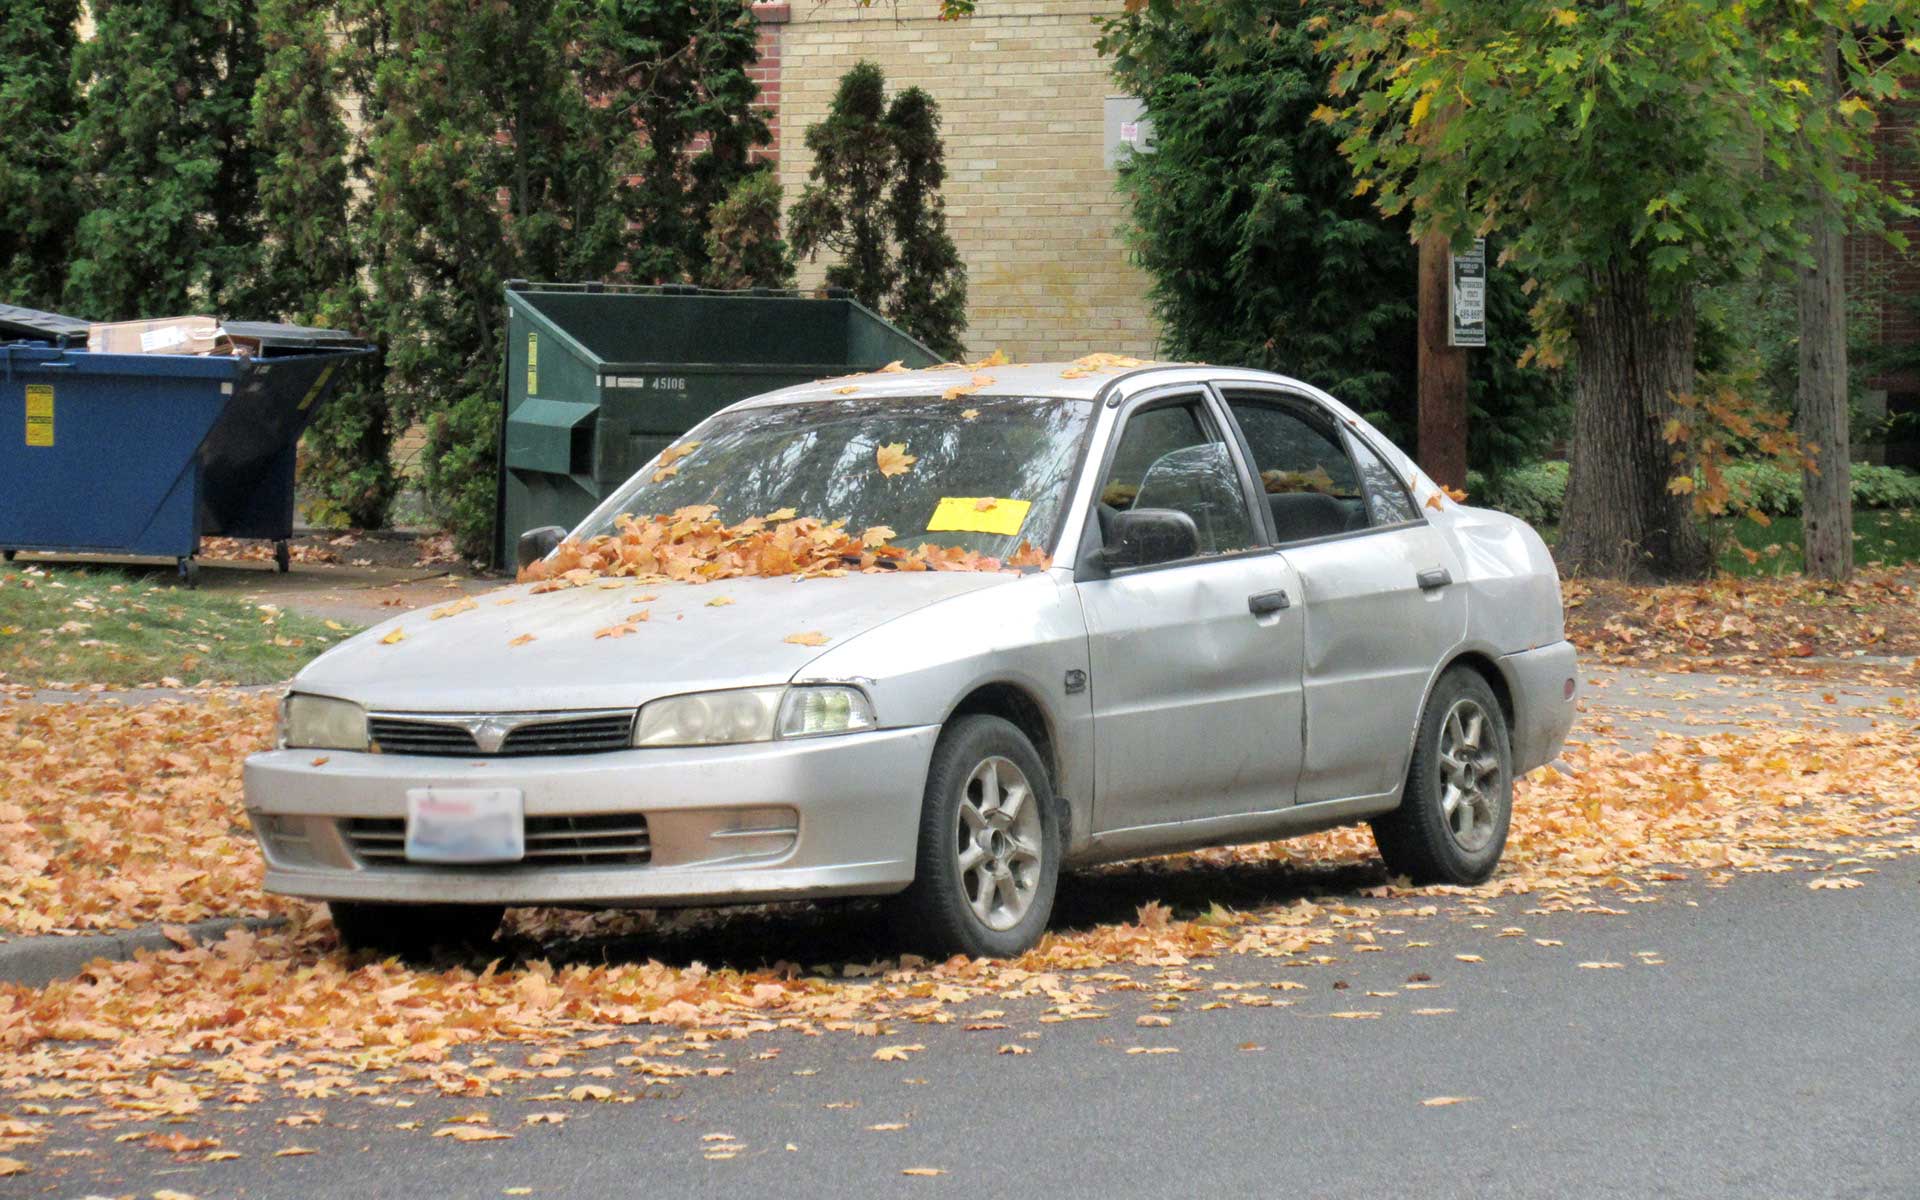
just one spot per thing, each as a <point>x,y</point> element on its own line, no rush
<point>190,572</point>
<point>282,557</point>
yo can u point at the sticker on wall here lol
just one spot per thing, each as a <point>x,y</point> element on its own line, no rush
<point>979,514</point>
<point>533,364</point>
<point>39,414</point>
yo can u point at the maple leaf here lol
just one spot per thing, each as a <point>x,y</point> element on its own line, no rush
<point>969,414</point>
<point>1435,501</point>
<point>294,1152</point>
<point>877,535</point>
<point>12,1166</point>
<point>922,1171</point>
<point>810,638</point>
<point>1445,1101</point>
<point>1457,495</point>
<point>896,1053</point>
<point>630,625</point>
<point>720,602</point>
<point>522,640</point>
<point>1013,1048</point>
<point>997,359</point>
<point>893,368</point>
<point>394,638</point>
<point>985,503</point>
<point>893,459</point>
<point>845,391</point>
<point>464,604</point>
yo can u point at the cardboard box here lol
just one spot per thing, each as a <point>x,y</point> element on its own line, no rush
<point>168,335</point>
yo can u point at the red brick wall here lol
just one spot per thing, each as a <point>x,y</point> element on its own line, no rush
<point>1872,263</point>
<point>772,16</point>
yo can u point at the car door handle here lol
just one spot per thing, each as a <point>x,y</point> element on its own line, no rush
<point>1262,603</point>
<point>1434,577</point>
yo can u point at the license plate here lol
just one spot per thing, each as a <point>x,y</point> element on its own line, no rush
<point>465,825</point>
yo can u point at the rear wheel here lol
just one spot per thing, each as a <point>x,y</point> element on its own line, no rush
<point>414,930</point>
<point>1451,825</point>
<point>989,854</point>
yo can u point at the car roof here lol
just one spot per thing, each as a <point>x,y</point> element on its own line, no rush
<point>1083,379</point>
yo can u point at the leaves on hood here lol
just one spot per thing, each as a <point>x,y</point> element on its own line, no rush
<point>811,638</point>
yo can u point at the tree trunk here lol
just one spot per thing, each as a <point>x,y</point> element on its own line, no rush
<point>1826,509</point>
<point>1620,520</point>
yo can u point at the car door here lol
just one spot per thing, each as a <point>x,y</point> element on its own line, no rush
<point>1195,664</point>
<point>1379,601</point>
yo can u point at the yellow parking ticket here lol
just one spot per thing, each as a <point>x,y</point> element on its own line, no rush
<point>979,514</point>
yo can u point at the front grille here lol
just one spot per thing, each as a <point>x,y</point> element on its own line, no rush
<point>587,733</point>
<point>598,840</point>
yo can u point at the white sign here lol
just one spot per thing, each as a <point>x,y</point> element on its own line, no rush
<point>1467,297</point>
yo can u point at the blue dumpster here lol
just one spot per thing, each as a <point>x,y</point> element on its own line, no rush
<point>145,454</point>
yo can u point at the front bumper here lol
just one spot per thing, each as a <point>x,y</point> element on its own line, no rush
<point>1543,702</point>
<point>833,816</point>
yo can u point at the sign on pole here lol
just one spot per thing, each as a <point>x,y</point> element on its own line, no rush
<point>1467,297</point>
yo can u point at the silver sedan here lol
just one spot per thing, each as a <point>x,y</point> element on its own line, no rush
<point>1243,615</point>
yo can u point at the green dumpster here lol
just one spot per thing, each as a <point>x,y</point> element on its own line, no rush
<point>601,377</point>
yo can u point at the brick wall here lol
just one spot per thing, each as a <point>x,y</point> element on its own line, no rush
<point>1030,202</point>
<point>772,17</point>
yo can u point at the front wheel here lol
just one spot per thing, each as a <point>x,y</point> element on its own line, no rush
<point>989,853</point>
<point>1452,821</point>
<point>414,930</point>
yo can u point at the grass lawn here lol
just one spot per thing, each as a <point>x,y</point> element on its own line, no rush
<point>1881,536</point>
<point>78,627</point>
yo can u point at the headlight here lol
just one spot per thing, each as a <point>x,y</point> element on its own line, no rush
<point>320,723</point>
<point>752,715</point>
<point>810,711</point>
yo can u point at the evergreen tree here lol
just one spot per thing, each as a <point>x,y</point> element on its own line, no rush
<point>744,246</point>
<point>473,104</point>
<point>37,210</point>
<point>931,300</point>
<point>679,115</point>
<point>164,159</point>
<point>309,268</point>
<point>873,199</point>
<point>843,207</point>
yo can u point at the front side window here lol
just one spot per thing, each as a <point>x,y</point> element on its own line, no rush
<point>1310,483</point>
<point>983,475</point>
<point>1168,458</point>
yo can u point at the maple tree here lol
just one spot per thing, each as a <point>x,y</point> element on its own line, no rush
<point>1614,148</point>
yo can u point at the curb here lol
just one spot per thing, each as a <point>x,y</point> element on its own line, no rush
<point>37,961</point>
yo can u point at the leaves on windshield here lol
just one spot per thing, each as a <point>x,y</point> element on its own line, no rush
<point>692,546</point>
<point>969,414</point>
<point>893,459</point>
<point>670,458</point>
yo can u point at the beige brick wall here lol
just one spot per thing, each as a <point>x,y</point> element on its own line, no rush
<point>1030,201</point>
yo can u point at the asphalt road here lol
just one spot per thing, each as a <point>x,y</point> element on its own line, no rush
<point>1757,1040</point>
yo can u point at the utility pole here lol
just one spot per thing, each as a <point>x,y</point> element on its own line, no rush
<point>1442,432</point>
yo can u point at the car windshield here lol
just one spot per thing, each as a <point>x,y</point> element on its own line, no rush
<point>981,473</point>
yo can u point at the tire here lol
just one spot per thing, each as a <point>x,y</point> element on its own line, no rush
<point>988,863</point>
<point>1461,757</point>
<point>414,930</point>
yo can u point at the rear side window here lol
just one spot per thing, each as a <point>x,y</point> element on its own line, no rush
<point>1387,499</point>
<point>1310,483</point>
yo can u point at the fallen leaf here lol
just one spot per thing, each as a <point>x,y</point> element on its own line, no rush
<point>472,1133</point>
<point>322,761</point>
<point>522,640</point>
<point>394,638</point>
<point>1602,966</point>
<point>1469,958</point>
<point>968,414</point>
<point>546,1118</point>
<point>923,1171</point>
<point>1357,1015</point>
<point>896,1053</point>
<point>294,1152</point>
<point>1013,1048</point>
<point>13,1166</point>
<point>1444,1101</point>
<point>720,602</point>
<point>893,459</point>
<point>889,1127</point>
<point>812,638</point>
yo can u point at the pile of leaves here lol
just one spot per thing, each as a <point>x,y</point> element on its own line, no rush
<point>113,816</point>
<point>691,546</point>
<point>287,1015</point>
<point>1731,623</point>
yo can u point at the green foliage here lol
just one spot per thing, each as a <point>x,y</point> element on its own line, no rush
<point>842,208</point>
<point>1261,254</point>
<point>1534,492</point>
<point>165,164</point>
<point>744,246</point>
<point>931,301</point>
<point>309,271</point>
<point>873,200</point>
<point>677,116</point>
<point>37,203</point>
<point>1625,133</point>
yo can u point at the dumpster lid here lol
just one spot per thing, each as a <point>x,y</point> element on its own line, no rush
<point>271,335</point>
<point>58,328</point>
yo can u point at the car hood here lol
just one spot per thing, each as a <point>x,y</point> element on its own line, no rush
<point>697,636</point>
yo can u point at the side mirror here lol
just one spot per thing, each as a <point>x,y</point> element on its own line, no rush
<point>1143,536</point>
<point>536,544</point>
